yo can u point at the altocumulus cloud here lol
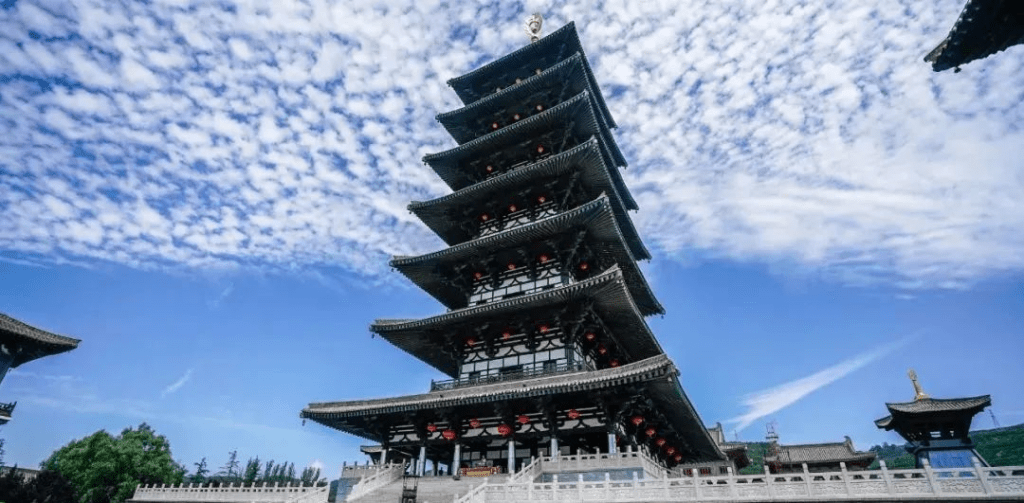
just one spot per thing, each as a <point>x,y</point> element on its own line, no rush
<point>288,135</point>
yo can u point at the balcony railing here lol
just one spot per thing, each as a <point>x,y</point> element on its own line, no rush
<point>507,376</point>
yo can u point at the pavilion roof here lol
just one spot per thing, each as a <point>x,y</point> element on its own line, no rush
<point>658,373</point>
<point>926,406</point>
<point>609,292</point>
<point>35,342</point>
<point>567,78</point>
<point>585,158</point>
<point>602,234</point>
<point>984,27</point>
<point>820,453</point>
<point>574,114</point>
<point>560,44</point>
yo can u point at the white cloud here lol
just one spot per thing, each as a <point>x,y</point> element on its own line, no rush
<point>776,132</point>
<point>176,385</point>
<point>765,402</point>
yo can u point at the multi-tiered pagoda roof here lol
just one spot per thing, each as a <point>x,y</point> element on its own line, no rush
<point>545,338</point>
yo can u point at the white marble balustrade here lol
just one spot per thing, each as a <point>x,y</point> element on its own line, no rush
<point>231,493</point>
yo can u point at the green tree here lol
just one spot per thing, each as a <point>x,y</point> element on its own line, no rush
<point>252,470</point>
<point>268,472</point>
<point>106,469</point>
<point>201,472</point>
<point>230,469</point>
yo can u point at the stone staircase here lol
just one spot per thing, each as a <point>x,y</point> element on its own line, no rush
<point>441,489</point>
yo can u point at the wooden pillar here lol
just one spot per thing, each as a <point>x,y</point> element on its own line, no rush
<point>611,443</point>
<point>511,456</point>
<point>422,464</point>
<point>554,447</point>
<point>456,459</point>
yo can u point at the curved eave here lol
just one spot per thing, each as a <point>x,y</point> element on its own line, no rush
<point>912,411</point>
<point>575,112</point>
<point>37,343</point>
<point>983,28</point>
<point>565,40</point>
<point>603,235</point>
<point>570,74</point>
<point>608,290</point>
<point>595,175</point>
<point>684,418</point>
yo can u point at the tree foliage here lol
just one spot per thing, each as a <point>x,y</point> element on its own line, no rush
<point>106,469</point>
<point>47,486</point>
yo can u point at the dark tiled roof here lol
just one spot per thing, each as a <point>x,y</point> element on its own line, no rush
<point>603,236</point>
<point>984,27</point>
<point>40,342</point>
<point>564,42</point>
<point>596,178</point>
<point>609,292</point>
<point>820,453</point>
<point>971,405</point>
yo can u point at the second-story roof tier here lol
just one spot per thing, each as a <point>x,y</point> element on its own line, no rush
<point>438,340</point>
<point>530,140</point>
<point>530,97</point>
<point>456,216</point>
<point>588,234</point>
<point>525,62</point>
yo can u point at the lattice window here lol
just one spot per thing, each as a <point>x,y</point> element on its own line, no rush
<point>517,282</point>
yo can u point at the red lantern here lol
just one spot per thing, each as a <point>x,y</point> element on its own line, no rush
<point>431,427</point>
<point>504,430</point>
<point>490,169</point>
<point>542,199</point>
<point>506,334</point>
<point>470,341</point>
<point>511,266</point>
<point>543,328</point>
<point>448,434</point>
<point>650,432</point>
<point>516,117</point>
<point>474,423</point>
<point>540,107</point>
<point>613,363</point>
<point>494,125</point>
<point>573,414</point>
<point>660,442</point>
<point>540,149</point>
<point>511,208</point>
<point>478,275</point>
<point>637,420</point>
<point>484,217</point>
<point>678,458</point>
<point>591,336</point>
<point>544,258</point>
<point>584,266</point>
<point>601,349</point>
<point>671,450</point>
<point>523,419</point>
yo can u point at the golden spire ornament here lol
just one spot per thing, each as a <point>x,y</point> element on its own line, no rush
<point>533,26</point>
<point>918,392</point>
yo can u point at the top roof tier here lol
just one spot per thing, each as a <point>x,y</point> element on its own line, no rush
<point>525,63</point>
<point>924,408</point>
<point>32,342</point>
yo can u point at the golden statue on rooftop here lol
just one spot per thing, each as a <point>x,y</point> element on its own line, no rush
<point>918,392</point>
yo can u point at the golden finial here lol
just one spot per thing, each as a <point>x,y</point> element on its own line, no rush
<point>533,24</point>
<point>918,392</point>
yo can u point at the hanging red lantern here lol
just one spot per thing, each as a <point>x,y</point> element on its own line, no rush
<point>660,442</point>
<point>671,450</point>
<point>678,458</point>
<point>506,334</point>
<point>539,107</point>
<point>523,419</point>
<point>601,349</point>
<point>489,168</point>
<point>542,199</point>
<point>573,414</point>
<point>511,266</point>
<point>637,420</point>
<point>431,427</point>
<point>590,336</point>
<point>478,275</point>
<point>485,217</point>
<point>474,423</point>
<point>543,328</point>
<point>540,149</point>
<point>544,258</point>
<point>614,363</point>
<point>650,432</point>
<point>584,266</point>
<point>470,341</point>
<point>511,208</point>
<point>494,125</point>
<point>516,117</point>
<point>504,430</point>
<point>448,434</point>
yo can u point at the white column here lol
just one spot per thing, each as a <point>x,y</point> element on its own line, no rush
<point>611,443</point>
<point>422,465</point>
<point>511,456</point>
<point>383,456</point>
<point>554,447</point>
<point>457,459</point>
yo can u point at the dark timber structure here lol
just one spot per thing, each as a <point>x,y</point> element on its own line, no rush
<point>984,27</point>
<point>545,342</point>
<point>21,343</point>
<point>936,429</point>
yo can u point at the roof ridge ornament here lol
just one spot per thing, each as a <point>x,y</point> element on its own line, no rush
<point>533,26</point>
<point>918,392</point>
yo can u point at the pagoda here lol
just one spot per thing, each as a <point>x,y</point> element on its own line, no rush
<point>21,343</point>
<point>545,342</point>
<point>936,430</point>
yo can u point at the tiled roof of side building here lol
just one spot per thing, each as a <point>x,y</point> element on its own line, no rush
<point>602,234</point>
<point>971,405</point>
<point>48,343</point>
<point>983,28</point>
<point>586,158</point>
<point>562,42</point>
<point>820,453</point>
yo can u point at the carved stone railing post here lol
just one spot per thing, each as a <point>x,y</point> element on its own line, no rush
<point>732,482</point>
<point>846,478</point>
<point>579,484</point>
<point>768,483</point>
<point>982,475</point>
<point>807,479</point>
<point>885,476</point>
<point>930,475</point>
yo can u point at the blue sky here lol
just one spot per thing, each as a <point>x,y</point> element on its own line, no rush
<point>207,196</point>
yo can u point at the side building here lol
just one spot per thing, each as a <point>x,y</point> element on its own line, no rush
<point>21,343</point>
<point>545,342</point>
